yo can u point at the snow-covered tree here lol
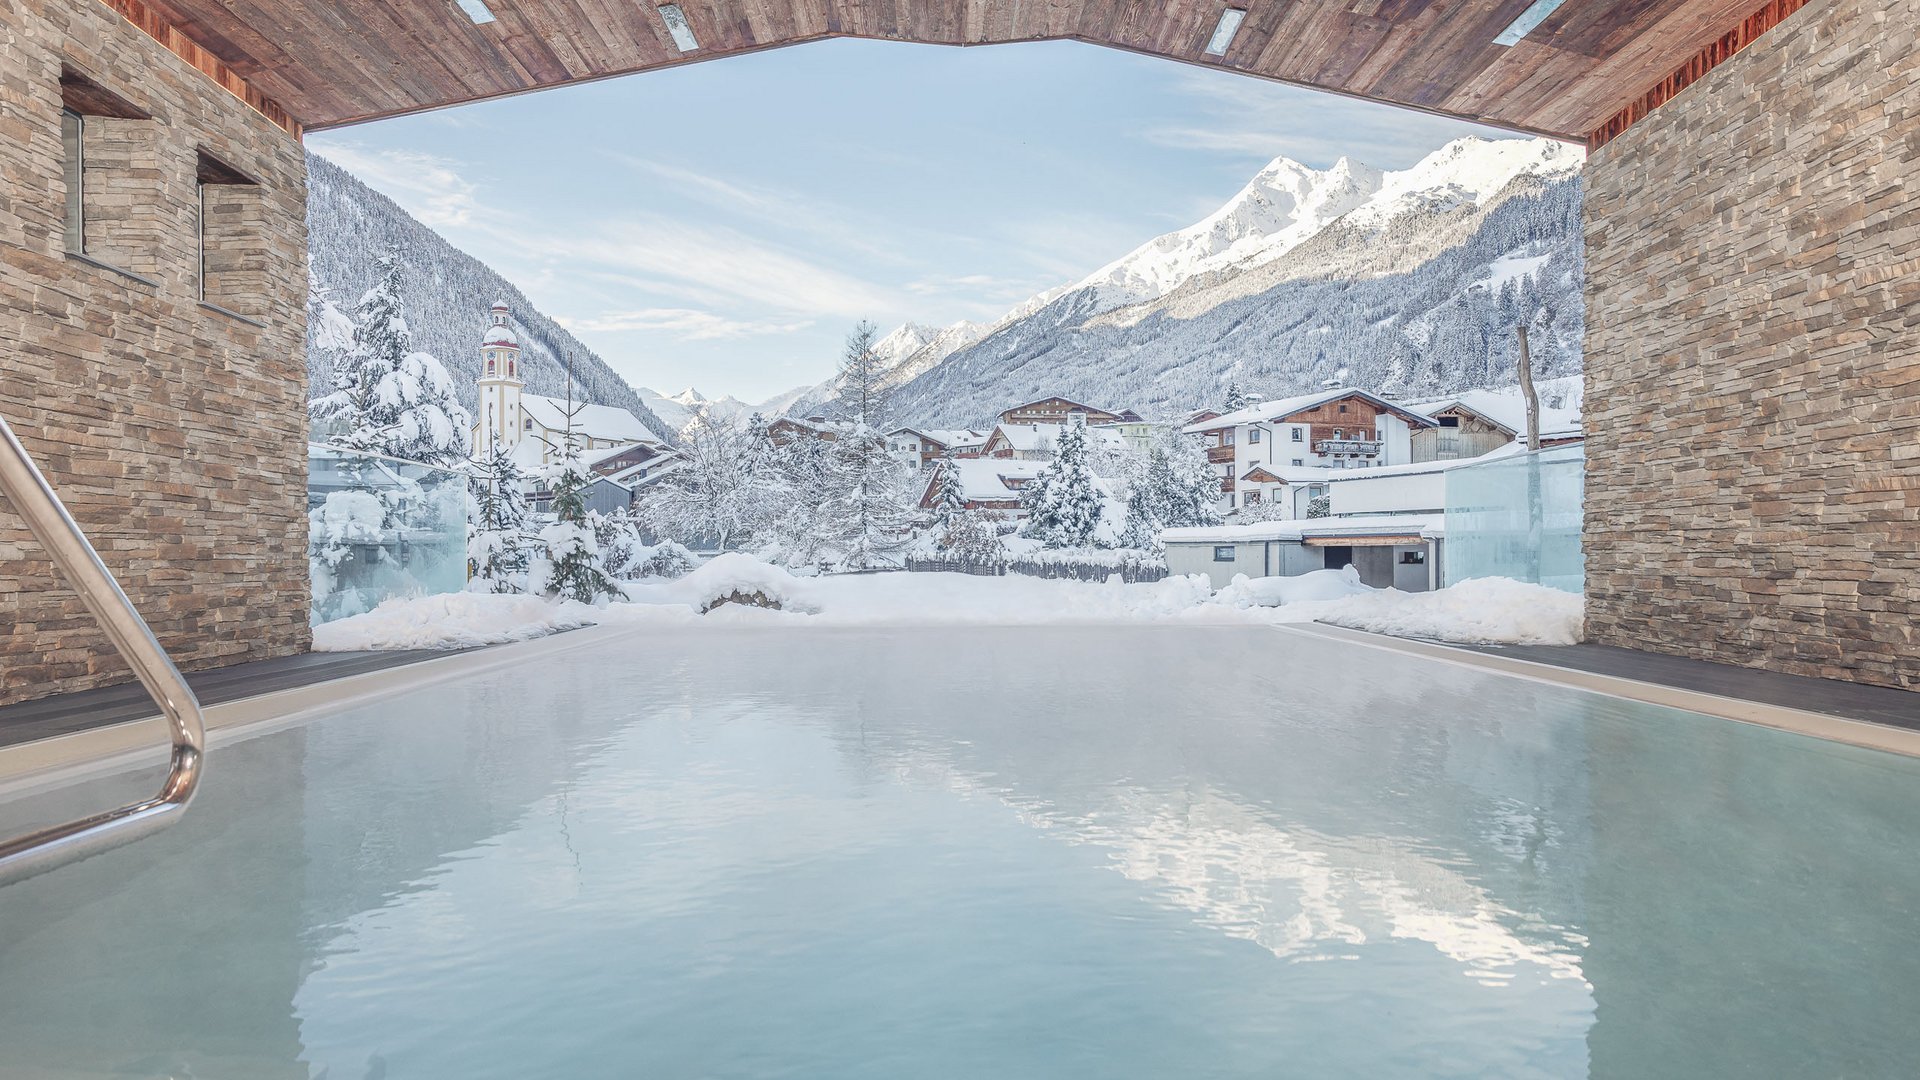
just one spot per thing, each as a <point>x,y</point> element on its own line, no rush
<point>571,567</point>
<point>1192,486</point>
<point>795,521</point>
<point>973,538</point>
<point>1066,511</point>
<point>950,498</point>
<point>388,398</point>
<point>496,539</point>
<point>711,496</point>
<point>1143,509</point>
<point>1238,398</point>
<point>867,516</point>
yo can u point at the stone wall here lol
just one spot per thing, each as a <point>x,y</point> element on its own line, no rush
<point>173,430</point>
<point>1753,358</point>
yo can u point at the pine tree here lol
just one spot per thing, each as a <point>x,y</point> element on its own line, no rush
<point>1238,398</point>
<point>1066,510</point>
<point>387,398</point>
<point>1143,520</point>
<point>496,551</point>
<point>572,567</point>
<point>868,515</point>
<point>950,498</point>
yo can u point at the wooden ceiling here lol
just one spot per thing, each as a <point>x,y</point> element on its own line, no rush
<point>334,62</point>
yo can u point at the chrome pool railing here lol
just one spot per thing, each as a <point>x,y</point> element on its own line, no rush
<point>73,556</point>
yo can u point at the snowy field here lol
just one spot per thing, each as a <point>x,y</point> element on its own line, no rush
<point>1491,611</point>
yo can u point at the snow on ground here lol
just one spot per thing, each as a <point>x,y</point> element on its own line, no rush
<point>1486,611</point>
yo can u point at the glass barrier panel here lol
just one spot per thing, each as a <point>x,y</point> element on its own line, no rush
<point>381,528</point>
<point>1518,516</point>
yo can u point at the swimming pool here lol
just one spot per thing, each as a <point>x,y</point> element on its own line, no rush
<point>978,852</point>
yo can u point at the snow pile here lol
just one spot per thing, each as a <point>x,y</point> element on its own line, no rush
<point>733,576</point>
<point>1246,592</point>
<point>451,621</point>
<point>1483,611</point>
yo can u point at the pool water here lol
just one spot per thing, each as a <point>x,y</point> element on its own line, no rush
<point>972,852</point>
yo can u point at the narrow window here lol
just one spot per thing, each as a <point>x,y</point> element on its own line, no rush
<point>232,261</point>
<point>1223,553</point>
<point>1298,436</point>
<point>73,144</point>
<point>1253,435</point>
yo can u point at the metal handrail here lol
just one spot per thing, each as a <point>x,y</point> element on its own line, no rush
<point>37,852</point>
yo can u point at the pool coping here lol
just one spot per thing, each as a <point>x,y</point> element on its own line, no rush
<point>1861,733</point>
<point>62,759</point>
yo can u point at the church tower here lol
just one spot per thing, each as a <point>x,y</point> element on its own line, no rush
<point>500,386</point>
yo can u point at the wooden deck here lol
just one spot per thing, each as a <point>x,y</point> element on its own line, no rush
<point>64,714</point>
<point>1852,701</point>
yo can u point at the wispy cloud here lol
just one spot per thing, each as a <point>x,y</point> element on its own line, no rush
<point>430,188</point>
<point>684,324</point>
<point>1262,120</point>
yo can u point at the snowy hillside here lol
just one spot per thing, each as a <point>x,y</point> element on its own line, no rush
<point>447,293</point>
<point>1407,282</point>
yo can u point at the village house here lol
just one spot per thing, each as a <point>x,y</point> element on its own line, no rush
<point>1057,411</point>
<point>985,483</point>
<point>535,428</point>
<point>1338,428</point>
<point>787,429</point>
<point>1035,442</point>
<point>1396,551</point>
<point>1470,424</point>
<point>922,446</point>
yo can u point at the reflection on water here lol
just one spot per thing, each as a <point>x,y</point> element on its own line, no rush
<point>1010,853</point>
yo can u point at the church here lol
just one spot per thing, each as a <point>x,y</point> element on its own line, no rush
<point>534,428</point>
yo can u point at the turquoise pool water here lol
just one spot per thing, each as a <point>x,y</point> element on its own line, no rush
<point>1125,852</point>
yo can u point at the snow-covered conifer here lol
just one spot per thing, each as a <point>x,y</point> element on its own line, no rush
<point>389,399</point>
<point>496,542</point>
<point>571,567</point>
<point>1067,513</point>
<point>868,514</point>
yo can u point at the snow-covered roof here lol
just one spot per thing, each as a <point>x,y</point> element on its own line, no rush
<point>1287,406</point>
<point>591,458</point>
<point>589,421</point>
<point>948,437</point>
<point>1080,405</point>
<point>500,335</point>
<point>1508,410</point>
<point>1028,438</point>
<point>1430,526</point>
<point>985,479</point>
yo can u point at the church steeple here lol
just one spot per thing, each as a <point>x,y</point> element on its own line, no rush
<point>500,384</point>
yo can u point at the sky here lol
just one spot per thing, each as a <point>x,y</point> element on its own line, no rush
<point>724,225</point>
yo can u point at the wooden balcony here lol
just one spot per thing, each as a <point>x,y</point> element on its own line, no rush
<point>1220,455</point>
<point>1364,447</point>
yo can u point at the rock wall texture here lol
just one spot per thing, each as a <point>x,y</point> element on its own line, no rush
<point>173,430</point>
<point>1753,358</point>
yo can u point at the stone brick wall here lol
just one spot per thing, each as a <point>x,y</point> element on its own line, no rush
<point>1753,358</point>
<point>174,432</point>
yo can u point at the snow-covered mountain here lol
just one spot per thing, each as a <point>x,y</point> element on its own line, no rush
<point>679,410</point>
<point>1405,282</point>
<point>447,293</point>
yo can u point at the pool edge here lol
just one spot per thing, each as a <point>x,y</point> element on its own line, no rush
<point>1864,734</point>
<point>62,759</point>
